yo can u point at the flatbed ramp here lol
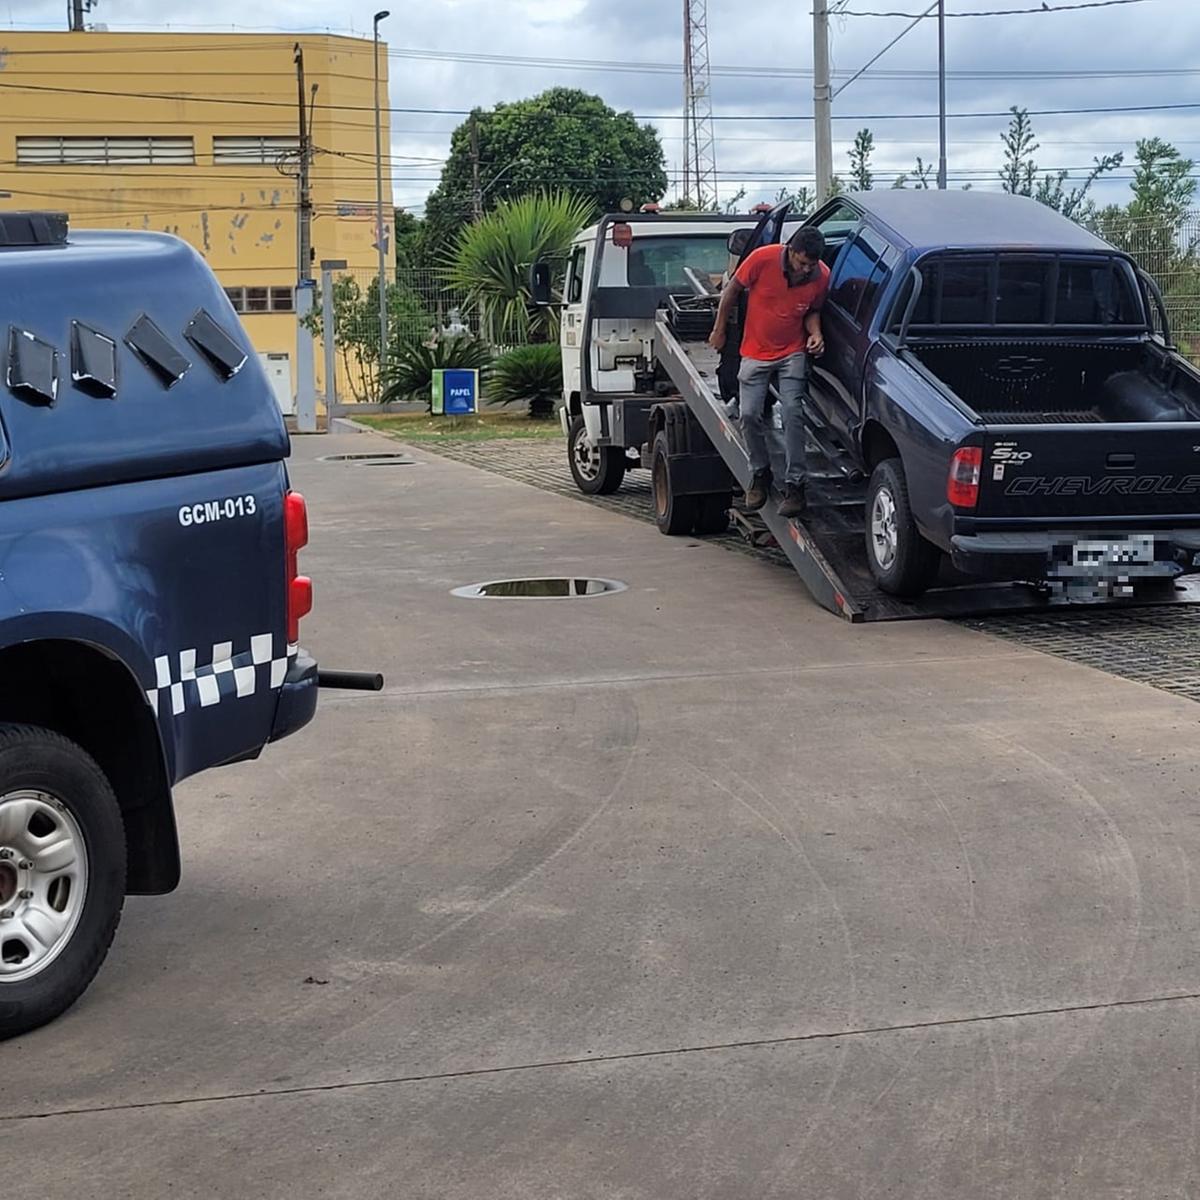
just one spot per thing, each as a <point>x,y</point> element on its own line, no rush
<point>826,546</point>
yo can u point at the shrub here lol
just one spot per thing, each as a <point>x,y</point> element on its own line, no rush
<point>409,374</point>
<point>490,263</point>
<point>530,374</point>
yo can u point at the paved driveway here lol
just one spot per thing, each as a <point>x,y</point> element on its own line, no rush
<point>691,891</point>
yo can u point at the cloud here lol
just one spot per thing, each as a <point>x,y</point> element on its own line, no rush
<point>769,35</point>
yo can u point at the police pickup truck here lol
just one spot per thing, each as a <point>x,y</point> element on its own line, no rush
<point>150,598</point>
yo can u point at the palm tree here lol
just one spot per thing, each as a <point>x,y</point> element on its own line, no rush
<point>491,261</point>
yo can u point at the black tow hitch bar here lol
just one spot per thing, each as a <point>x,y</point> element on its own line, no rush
<point>354,681</point>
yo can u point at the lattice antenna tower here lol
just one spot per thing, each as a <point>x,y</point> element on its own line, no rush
<point>699,145</point>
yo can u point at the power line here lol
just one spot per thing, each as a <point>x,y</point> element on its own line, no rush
<point>1000,12</point>
<point>618,66</point>
<point>462,112</point>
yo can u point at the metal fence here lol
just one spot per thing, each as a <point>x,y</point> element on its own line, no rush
<point>1170,253</point>
<point>421,311</point>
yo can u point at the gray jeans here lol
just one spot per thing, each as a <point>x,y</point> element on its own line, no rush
<point>753,378</point>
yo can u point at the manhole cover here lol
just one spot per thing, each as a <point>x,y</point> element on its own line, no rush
<point>370,460</point>
<point>539,589</point>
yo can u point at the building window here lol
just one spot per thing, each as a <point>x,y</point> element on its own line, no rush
<point>264,150</point>
<point>261,299</point>
<point>110,151</point>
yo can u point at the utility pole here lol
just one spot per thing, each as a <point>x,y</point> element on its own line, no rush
<point>77,11</point>
<point>476,192</point>
<point>306,391</point>
<point>382,240</point>
<point>942,94</point>
<point>822,101</point>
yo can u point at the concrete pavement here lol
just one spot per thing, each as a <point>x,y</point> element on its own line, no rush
<point>690,891</point>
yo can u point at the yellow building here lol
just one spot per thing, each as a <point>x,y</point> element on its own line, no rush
<point>198,135</point>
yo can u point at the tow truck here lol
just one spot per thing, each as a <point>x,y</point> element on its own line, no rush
<point>999,423</point>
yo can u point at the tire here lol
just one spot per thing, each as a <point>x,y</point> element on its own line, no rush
<point>901,560</point>
<point>597,470</point>
<point>712,515</point>
<point>674,515</point>
<point>62,873</point>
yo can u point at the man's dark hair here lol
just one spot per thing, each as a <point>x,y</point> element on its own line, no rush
<point>807,240</point>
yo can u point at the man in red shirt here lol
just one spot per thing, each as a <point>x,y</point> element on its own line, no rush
<point>787,286</point>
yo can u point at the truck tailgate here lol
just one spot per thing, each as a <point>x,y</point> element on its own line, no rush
<point>1050,472</point>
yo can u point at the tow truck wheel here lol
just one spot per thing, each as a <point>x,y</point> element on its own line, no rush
<point>597,470</point>
<point>902,561</point>
<point>62,874</point>
<point>674,515</point>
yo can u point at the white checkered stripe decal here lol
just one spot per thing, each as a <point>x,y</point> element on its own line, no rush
<point>181,684</point>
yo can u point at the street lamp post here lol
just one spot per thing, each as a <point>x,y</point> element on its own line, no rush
<point>379,16</point>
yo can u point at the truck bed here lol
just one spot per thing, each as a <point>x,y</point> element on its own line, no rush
<point>1013,382</point>
<point>826,547</point>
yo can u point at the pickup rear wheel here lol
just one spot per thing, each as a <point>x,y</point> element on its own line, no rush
<point>597,470</point>
<point>62,874</point>
<point>673,514</point>
<point>902,561</point>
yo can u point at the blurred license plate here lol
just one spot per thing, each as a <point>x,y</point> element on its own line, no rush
<point>1113,552</point>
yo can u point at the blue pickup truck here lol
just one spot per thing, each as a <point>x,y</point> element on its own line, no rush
<point>150,599</point>
<point>1007,383</point>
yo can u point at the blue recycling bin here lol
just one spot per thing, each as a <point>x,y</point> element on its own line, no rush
<point>455,392</point>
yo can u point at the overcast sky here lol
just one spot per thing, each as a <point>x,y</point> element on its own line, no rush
<point>1159,38</point>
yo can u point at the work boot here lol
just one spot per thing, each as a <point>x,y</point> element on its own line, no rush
<point>757,492</point>
<point>792,504</point>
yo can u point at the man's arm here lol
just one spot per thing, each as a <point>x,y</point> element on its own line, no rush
<point>812,326</point>
<point>729,294</point>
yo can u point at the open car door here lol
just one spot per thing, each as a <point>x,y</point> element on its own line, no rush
<point>743,243</point>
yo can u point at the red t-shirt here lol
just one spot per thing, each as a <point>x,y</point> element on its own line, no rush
<point>775,312</point>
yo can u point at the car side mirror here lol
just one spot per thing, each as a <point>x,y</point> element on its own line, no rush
<point>540,290</point>
<point>738,240</point>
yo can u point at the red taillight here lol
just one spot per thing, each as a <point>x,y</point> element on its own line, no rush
<point>962,485</point>
<point>622,234</point>
<point>299,587</point>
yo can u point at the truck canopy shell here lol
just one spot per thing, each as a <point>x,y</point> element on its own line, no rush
<point>123,360</point>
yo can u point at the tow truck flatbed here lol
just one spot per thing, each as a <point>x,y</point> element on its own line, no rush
<point>826,546</point>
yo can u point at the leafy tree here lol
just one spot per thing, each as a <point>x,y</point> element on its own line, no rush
<point>1020,169</point>
<point>1163,189</point>
<point>1151,227</point>
<point>1019,174</point>
<point>922,176</point>
<point>491,260</point>
<point>563,138</point>
<point>860,160</point>
<point>412,252</point>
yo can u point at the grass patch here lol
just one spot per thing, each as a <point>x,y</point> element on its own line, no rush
<point>482,427</point>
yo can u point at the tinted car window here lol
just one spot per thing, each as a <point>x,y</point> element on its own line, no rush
<point>849,280</point>
<point>874,282</point>
<point>1023,295</point>
<point>965,292</point>
<point>1094,292</point>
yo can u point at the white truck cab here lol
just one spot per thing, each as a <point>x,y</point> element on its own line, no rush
<point>619,272</point>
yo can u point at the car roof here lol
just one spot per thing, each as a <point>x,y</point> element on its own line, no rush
<point>934,220</point>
